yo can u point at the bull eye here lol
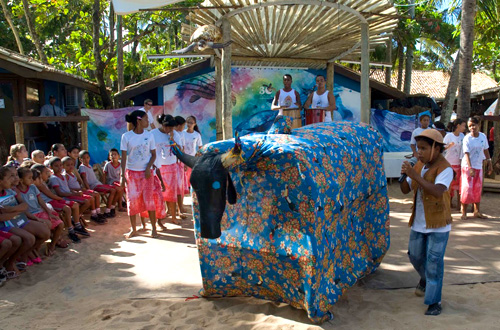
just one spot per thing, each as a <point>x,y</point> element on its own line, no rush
<point>216,185</point>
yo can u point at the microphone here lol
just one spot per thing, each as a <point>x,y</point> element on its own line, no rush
<point>412,162</point>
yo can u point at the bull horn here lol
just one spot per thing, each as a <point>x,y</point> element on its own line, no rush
<point>234,155</point>
<point>183,157</point>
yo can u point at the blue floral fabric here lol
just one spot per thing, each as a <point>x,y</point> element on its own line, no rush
<point>281,125</point>
<point>312,217</point>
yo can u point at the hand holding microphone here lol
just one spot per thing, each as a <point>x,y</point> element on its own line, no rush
<point>405,167</point>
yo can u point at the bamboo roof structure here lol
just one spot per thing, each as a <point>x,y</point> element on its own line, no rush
<point>297,33</point>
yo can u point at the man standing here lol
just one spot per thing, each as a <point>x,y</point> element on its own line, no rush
<point>147,109</point>
<point>53,127</point>
<point>321,99</point>
<point>287,97</point>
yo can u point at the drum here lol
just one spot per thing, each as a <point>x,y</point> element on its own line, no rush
<point>295,114</point>
<point>314,116</point>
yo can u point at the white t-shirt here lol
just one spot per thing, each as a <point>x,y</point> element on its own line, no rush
<point>419,225</point>
<point>179,139</point>
<point>475,146</point>
<point>164,154</point>
<point>453,154</point>
<point>151,119</point>
<point>192,142</point>
<point>416,133</point>
<point>138,148</point>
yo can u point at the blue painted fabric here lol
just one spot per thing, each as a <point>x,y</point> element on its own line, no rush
<point>395,129</point>
<point>312,217</point>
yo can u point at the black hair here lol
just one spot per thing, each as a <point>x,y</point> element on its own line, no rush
<point>39,167</point>
<point>27,163</point>
<point>439,125</point>
<point>287,75</point>
<point>180,120</point>
<point>36,173</point>
<point>65,159</point>
<point>110,151</point>
<point>53,160</point>
<point>22,171</point>
<point>55,147</point>
<point>73,148</point>
<point>133,116</point>
<point>83,153</point>
<point>457,122</point>
<point>166,120</point>
<point>475,120</point>
<point>430,142</point>
<point>196,122</point>
<point>320,75</point>
<point>422,116</point>
<point>3,171</point>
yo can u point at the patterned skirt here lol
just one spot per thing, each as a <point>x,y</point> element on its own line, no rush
<point>169,177</point>
<point>455,184</point>
<point>471,187</point>
<point>143,194</point>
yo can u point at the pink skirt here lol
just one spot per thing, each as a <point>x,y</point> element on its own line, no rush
<point>103,188</point>
<point>455,184</point>
<point>45,216</point>
<point>187,177</point>
<point>59,205</point>
<point>169,177</point>
<point>471,187</point>
<point>143,194</point>
<point>180,178</point>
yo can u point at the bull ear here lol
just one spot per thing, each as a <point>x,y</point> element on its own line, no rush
<point>231,191</point>
<point>183,157</point>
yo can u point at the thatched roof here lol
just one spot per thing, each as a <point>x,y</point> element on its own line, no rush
<point>435,83</point>
<point>307,31</point>
<point>28,67</point>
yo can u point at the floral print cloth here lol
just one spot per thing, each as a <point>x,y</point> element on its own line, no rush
<point>312,217</point>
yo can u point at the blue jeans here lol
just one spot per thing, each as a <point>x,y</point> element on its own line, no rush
<point>426,252</point>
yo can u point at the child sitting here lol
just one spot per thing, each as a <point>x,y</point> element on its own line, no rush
<point>431,217</point>
<point>37,209</point>
<point>90,182</point>
<point>38,156</point>
<point>9,244</point>
<point>75,187</point>
<point>18,153</point>
<point>112,173</point>
<point>68,209</point>
<point>32,232</point>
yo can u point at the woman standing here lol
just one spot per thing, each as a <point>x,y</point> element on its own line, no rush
<point>453,154</point>
<point>143,187</point>
<point>192,143</point>
<point>166,163</point>
<point>178,136</point>
<point>475,150</point>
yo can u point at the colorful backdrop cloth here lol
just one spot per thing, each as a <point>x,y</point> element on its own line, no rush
<point>253,90</point>
<point>105,129</point>
<point>312,217</point>
<point>395,129</point>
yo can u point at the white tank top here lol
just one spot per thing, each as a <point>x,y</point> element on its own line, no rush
<point>287,99</point>
<point>321,101</point>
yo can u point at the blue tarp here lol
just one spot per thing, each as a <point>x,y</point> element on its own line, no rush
<point>312,217</point>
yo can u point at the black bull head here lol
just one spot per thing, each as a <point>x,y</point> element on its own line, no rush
<point>211,182</point>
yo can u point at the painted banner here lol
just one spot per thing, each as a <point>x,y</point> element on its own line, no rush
<point>395,129</point>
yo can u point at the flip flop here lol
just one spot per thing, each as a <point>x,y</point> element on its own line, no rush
<point>62,244</point>
<point>22,266</point>
<point>480,215</point>
<point>11,275</point>
<point>37,260</point>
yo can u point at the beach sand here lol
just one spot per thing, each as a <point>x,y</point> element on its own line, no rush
<point>143,283</point>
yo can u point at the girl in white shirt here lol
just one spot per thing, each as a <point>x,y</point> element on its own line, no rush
<point>180,166</point>
<point>143,187</point>
<point>192,143</point>
<point>453,154</point>
<point>475,150</point>
<point>166,163</point>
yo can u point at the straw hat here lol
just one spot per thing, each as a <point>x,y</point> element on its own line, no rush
<point>432,134</point>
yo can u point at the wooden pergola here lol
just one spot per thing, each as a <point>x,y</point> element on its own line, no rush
<point>293,33</point>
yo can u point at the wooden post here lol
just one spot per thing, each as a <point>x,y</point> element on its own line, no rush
<point>365,77</point>
<point>218,100</point>
<point>227,104</point>
<point>388,60</point>
<point>85,135</point>
<point>330,76</point>
<point>19,131</point>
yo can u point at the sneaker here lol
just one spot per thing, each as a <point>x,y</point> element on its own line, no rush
<point>82,231</point>
<point>108,215</point>
<point>113,213</point>
<point>420,289</point>
<point>96,218</point>
<point>74,237</point>
<point>434,309</point>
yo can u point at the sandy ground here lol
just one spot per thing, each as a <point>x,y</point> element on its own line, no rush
<point>109,282</point>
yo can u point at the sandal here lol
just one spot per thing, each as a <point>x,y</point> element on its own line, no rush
<point>22,266</point>
<point>463,217</point>
<point>11,275</point>
<point>62,244</point>
<point>479,215</point>
<point>37,260</point>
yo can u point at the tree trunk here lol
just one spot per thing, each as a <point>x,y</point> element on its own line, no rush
<point>119,54</point>
<point>33,34</point>
<point>465,53</point>
<point>100,65</point>
<point>409,54</point>
<point>111,28</point>
<point>401,56</point>
<point>496,148</point>
<point>451,93</point>
<point>8,17</point>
